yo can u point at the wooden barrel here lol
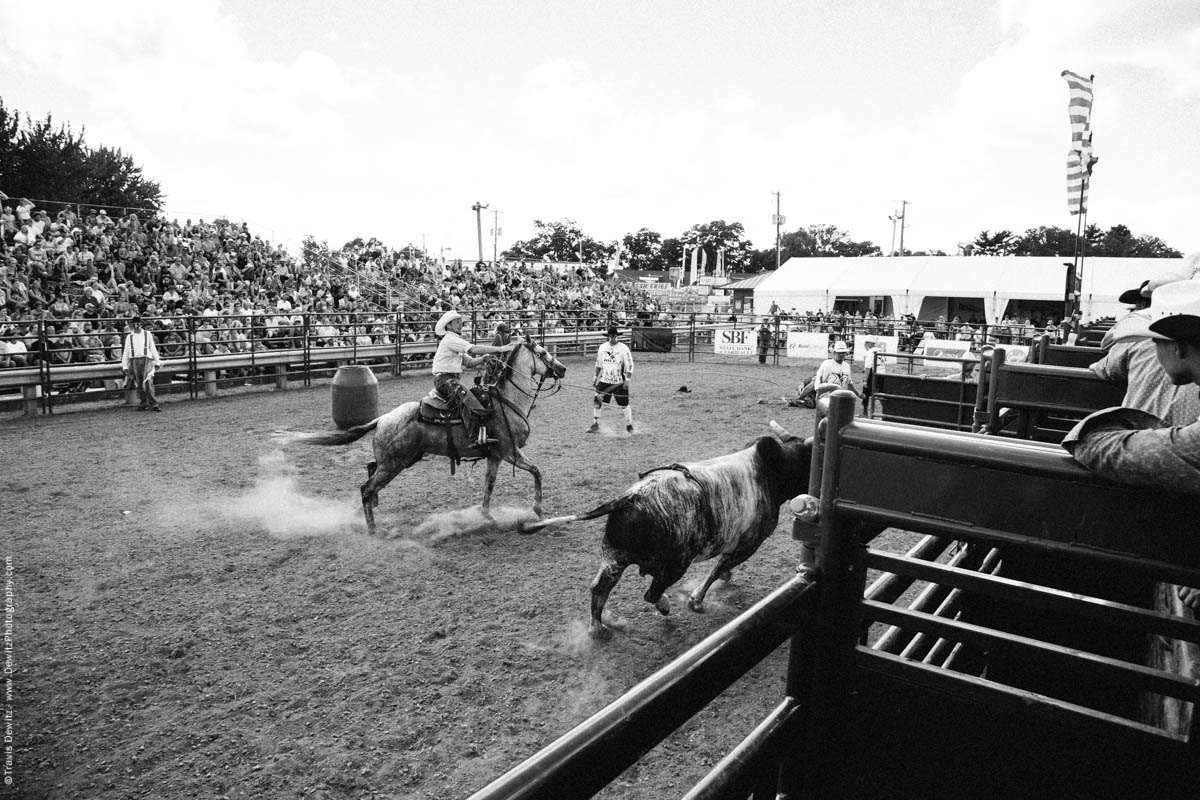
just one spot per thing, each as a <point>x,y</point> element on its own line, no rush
<point>355,396</point>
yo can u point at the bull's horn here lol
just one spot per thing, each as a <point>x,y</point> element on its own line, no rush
<point>782,432</point>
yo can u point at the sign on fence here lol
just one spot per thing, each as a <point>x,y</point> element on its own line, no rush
<point>946,348</point>
<point>1015,353</point>
<point>736,342</point>
<point>806,344</point>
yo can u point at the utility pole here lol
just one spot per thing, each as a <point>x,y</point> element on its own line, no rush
<point>478,209</point>
<point>903,219</point>
<point>495,234</point>
<point>778,219</point>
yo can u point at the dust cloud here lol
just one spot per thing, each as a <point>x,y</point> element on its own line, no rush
<point>283,511</point>
<point>465,521</point>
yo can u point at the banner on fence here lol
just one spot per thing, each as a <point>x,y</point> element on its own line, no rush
<point>738,342</point>
<point>1015,353</point>
<point>945,348</point>
<point>806,344</point>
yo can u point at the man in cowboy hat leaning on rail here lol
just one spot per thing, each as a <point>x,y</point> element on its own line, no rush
<point>453,353</point>
<point>1133,446</point>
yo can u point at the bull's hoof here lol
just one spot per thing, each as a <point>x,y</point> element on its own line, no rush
<point>600,632</point>
<point>663,605</point>
<point>696,604</point>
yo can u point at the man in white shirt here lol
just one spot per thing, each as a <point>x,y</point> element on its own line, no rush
<point>139,359</point>
<point>453,353</point>
<point>834,373</point>
<point>614,368</point>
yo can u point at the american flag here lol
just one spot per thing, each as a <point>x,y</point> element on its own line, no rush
<point>1080,158</point>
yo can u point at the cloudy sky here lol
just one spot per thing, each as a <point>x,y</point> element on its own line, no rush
<point>391,118</point>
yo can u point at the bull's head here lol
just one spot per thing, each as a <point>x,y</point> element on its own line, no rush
<point>787,458</point>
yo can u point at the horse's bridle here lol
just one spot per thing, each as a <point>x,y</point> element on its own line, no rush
<point>547,361</point>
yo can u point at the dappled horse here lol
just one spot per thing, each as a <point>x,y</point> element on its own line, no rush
<point>402,438</point>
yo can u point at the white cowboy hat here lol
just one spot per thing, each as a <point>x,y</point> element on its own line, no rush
<point>1175,311</point>
<point>447,318</point>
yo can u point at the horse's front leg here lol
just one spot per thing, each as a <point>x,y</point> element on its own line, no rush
<point>489,483</point>
<point>521,462</point>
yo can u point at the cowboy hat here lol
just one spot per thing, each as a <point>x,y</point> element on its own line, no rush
<point>1132,297</point>
<point>447,318</point>
<point>1175,311</point>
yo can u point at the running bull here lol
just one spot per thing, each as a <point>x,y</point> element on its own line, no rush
<point>681,513</point>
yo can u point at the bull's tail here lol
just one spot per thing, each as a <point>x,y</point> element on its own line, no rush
<point>328,439</point>
<point>598,511</point>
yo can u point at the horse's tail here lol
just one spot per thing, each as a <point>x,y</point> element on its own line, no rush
<point>598,511</point>
<point>328,439</point>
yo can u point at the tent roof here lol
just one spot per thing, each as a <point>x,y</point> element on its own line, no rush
<point>747,283</point>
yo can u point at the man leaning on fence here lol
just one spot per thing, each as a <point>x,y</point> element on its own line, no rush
<point>139,360</point>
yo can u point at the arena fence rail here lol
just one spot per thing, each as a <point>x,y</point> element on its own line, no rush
<point>883,721</point>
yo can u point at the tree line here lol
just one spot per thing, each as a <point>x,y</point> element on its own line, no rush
<point>46,160</point>
<point>649,250</point>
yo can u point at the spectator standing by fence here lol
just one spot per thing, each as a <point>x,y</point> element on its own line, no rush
<point>764,341</point>
<point>139,360</point>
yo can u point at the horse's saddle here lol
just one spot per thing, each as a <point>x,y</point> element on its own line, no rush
<point>438,411</point>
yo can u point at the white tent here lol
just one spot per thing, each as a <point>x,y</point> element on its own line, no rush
<point>812,284</point>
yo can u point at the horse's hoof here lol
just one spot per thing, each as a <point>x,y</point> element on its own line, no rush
<point>664,606</point>
<point>696,605</point>
<point>539,511</point>
<point>601,632</point>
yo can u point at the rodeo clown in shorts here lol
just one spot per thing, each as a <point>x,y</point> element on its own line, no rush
<point>453,353</point>
<point>614,368</point>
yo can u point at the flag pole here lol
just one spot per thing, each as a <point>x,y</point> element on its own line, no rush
<point>1072,301</point>
<point>1081,237</point>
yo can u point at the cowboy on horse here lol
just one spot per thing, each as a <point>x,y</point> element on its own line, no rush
<point>453,353</point>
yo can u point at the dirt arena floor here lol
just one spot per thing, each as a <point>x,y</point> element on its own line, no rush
<point>200,613</point>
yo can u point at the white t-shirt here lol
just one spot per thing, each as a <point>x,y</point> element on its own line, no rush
<point>450,352</point>
<point>831,371</point>
<point>614,361</point>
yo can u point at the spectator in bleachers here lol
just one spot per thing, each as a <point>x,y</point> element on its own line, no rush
<point>13,352</point>
<point>8,223</point>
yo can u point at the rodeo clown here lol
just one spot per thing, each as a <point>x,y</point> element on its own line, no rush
<point>453,353</point>
<point>614,368</point>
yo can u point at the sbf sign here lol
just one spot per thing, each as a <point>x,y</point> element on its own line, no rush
<point>735,342</point>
